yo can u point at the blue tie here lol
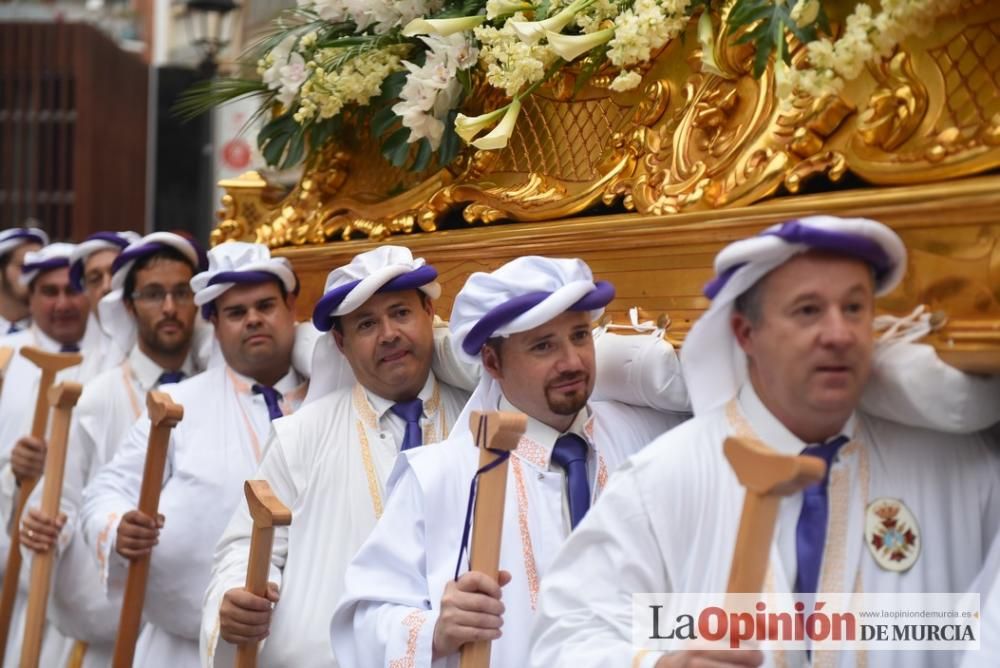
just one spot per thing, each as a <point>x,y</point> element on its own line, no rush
<point>570,453</point>
<point>410,411</point>
<point>271,398</point>
<point>69,348</point>
<point>13,328</point>
<point>170,377</point>
<point>810,533</point>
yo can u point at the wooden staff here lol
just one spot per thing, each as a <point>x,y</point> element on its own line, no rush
<point>267,512</point>
<point>164,415</point>
<point>767,476</point>
<point>50,364</point>
<point>62,398</point>
<point>494,431</point>
<point>6,354</point>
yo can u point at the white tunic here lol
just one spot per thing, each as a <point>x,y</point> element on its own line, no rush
<point>328,463</point>
<point>17,409</point>
<point>395,582</point>
<point>212,451</point>
<point>669,522</point>
<point>109,406</point>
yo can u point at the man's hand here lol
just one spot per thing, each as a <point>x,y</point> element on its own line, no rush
<point>737,658</point>
<point>470,610</point>
<point>40,532</point>
<point>245,617</point>
<point>27,459</point>
<point>137,534</point>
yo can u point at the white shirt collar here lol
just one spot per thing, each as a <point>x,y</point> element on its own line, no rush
<point>289,382</point>
<point>381,405</point>
<point>148,372</point>
<point>770,430</point>
<point>45,342</point>
<point>541,434</point>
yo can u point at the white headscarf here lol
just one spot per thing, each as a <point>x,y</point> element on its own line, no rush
<point>523,294</point>
<point>383,269</point>
<point>15,236</point>
<point>116,321</point>
<point>713,364</point>
<point>47,258</point>
<point>99,241</point>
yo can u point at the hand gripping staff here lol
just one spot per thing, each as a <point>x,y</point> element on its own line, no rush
<point>50,364</point>
<point>767,476</point>
<point>164,415</point>
<point>496,435</point>
<point>267,512</point>
<point>62,398</point>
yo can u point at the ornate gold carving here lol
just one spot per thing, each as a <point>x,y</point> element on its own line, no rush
<point>685,141</point>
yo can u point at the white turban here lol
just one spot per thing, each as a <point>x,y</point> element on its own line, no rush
<point>713,364</point>
<point>15,236</point>
<point>99,241</point>
<point>116,321</point>
<point>383,269</point>
<point>238,262</point>
<point>47,258</point>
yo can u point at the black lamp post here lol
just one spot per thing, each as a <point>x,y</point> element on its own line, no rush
<point>210,24</point>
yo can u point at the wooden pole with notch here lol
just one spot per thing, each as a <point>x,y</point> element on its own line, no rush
<point>164,415</point>
<point>50,364</point>
<point>494,431</point>
<point>62,399</point>
<point>6,353</point>
<point>267,512</point>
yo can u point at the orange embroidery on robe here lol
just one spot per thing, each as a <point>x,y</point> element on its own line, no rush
<point>414,621</point>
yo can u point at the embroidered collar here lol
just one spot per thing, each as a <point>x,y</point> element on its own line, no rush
<point>429,394</point>
<point>535,446</point>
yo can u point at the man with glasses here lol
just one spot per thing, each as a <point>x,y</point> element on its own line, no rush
<point>152,304</point>
<point>249,297</point>
<point>14,243</point>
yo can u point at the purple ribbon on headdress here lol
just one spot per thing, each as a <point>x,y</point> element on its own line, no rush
<point>242,278</point>
<point>45,265</point>
<point>499,316</point>
<point>25,234</point>
<point>136,252</point>
<point>843,243</point>
<point>329,302</point>
<point>76,269</point>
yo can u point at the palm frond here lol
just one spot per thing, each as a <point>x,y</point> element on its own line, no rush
<point>205,95</point>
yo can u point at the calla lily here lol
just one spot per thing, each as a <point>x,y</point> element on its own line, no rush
<point>467,128</point>
<point>495,8</point>
<point>706,37</point>
<point>532,31</point>
<point>501,133</point>
<point>571,47</point>
<point>442,27</point>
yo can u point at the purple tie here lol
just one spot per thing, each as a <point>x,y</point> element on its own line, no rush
<point>13,328</point>
<point>810,533</point>
<point>570,454</point>
<point>69,348</point>
<point>410,412</point>
<point>272,398</point>
<point>170,377</point>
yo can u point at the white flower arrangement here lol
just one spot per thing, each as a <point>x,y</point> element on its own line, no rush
<point>414,63</point>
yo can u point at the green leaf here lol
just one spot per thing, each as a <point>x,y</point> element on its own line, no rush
<point>395,149</point>
<point>465,78</point>
<point>296,149</point>
<point>542,10</point>
<point>451,143</point>
<point>275,137</point>
<point>770,22</point>
<point>424,153</point>
<point>382,120</point>
<point>206,95</point>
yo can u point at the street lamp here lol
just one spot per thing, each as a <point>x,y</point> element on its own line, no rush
<point>210,24</point>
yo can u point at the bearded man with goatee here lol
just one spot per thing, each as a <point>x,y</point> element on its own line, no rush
<point>529,325</point>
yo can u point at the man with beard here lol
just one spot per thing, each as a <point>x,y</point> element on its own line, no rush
<point>58,324</point>
<point>336,453</point>
<point>152,302</point>
<point>14,243</point>
<point>249,297</point>
<point>529,324</point>
<point>779,359</point>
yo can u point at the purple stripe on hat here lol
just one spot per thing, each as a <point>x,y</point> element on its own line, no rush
<point>110,237</point>
<point>76,269</point>
<point>45,265</point>
<point>27,235</point>
<point>242,278</point>
<point>328,303</point>
<point>136,252</point>
<point>842,243</point>
<point>498,316</point>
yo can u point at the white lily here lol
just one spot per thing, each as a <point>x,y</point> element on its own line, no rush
<point>467,128</point>
<point>532,31</point>
<point>571,47</point>
<point>495,8</point>
<point>499,136</point>
<point>706,37</point>
<point>442,27</point>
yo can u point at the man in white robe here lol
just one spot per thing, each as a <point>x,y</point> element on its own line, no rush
<point>330,460</point>
<point>529,323</point>
<point>783,356</point>
<point>59,324</point>
<point>14,243</point>
<point>249,297</point>
<point>151,285</point>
